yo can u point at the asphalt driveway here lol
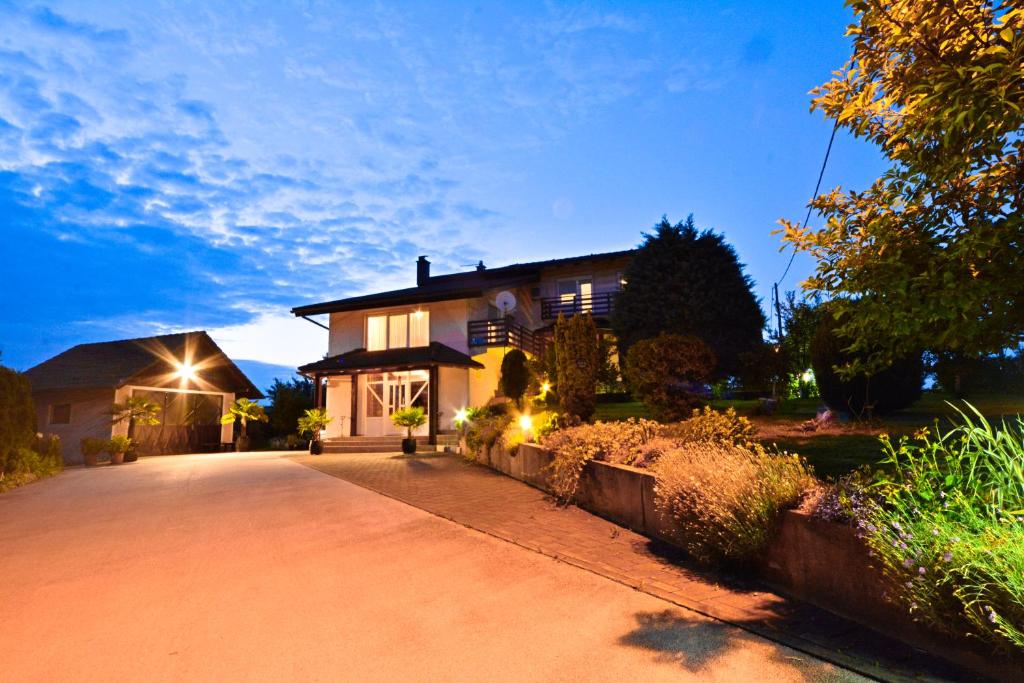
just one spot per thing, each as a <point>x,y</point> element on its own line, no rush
<point>250,566</point>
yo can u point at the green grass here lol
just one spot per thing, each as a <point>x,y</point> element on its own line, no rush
<point>832,454</point>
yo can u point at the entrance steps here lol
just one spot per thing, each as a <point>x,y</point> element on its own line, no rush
<point>382,444</point>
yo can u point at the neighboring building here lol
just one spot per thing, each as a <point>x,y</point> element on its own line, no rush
<point>186,374</point>
<point>440,344</point>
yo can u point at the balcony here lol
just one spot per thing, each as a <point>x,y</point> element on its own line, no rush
<point>504,332</point>
<point>599,305</point>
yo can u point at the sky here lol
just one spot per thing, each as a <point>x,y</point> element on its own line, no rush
<point>170,166</point>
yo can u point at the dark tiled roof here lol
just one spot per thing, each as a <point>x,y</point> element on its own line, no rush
<point>116,363</point>
<point>392,359</point>
<point>455,285</point>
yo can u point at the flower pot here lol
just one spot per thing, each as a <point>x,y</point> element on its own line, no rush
<point>316,447</point>
<point>241,444</point>
<point>116,458</point>
<point>90,459</point>
<point>409,445</point>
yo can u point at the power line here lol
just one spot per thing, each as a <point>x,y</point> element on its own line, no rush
<point>807,218</point>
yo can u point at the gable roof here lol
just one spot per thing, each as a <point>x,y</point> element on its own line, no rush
<point>146,361</point>
<point>455,285</point>
<point>409,358</point>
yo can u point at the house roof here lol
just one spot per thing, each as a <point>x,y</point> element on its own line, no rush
<point>455,285</point>
<point>147,361</point>
<point>410,358</point>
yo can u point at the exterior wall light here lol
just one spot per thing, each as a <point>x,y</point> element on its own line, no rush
<point>461,415</point>
<point>187,372</point>
<point>526,423</point>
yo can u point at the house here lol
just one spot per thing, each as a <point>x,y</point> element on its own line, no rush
<point>439,345</point>
<point>186,374</point>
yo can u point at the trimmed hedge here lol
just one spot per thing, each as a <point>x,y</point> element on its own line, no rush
<point>17,417</point>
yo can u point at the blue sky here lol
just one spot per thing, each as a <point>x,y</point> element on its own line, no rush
<point>168,166</point>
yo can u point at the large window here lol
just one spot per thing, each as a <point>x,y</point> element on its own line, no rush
<point>397,331</point>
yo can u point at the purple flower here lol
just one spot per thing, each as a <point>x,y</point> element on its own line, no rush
<point>947,556</point>
<point>922,571</point>
<point>908,563</point>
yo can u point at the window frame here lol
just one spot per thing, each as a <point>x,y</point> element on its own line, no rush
<point>387,316</point>
<point>53,409</point>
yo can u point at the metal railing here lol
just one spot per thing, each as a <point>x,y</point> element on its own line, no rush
<point>504,332</point>
<point>599,305</point>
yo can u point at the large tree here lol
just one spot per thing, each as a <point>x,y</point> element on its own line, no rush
<point>929,256</point>
<point>289,401</point>
<point>689,282</point>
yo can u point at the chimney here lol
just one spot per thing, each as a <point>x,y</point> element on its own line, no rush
<point>422,271</point>
<point>480,266</point>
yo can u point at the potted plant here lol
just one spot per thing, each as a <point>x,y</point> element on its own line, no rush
<point>117,447</point>
<point>313,422</point>
<point>91,449</point>
<point>136,410</point>
<point>243,410</point>
<point>410,418</point>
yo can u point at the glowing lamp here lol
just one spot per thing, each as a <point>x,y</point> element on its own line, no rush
<point>525,423</point>
<point>545,387</point>
<point>807,376</point>
<point>461,415</point>
<point>186,372</point>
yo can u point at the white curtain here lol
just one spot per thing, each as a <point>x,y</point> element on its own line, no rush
<point>419,328</point>
<point>376,333</point>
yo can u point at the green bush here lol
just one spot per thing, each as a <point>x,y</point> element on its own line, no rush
<point>885,392</point>
<point>515,376</point>
<point>726,500</point>
<point>949,532</point>
<point>118,444</point>
<point>711,426</point>
<point>573,447</point>
<point>17,417</point>
<point>484,427</point>
<point>577,357</point>
<point>666,373</point>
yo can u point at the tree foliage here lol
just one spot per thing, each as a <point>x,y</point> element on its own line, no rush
<point>577,360</point>
<point>244,411</point>
<point>929,256</point>
<point>17,416</point>
<point>884,391</point>
<point>288,402</point>
<point>690,282</point>
<point>666,373</point>
<point>515,376</point>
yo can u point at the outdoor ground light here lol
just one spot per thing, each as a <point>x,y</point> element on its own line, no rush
<point>526,424</point>
<point>807,376</point>
<point>461,415</point>
<point>545,387</point>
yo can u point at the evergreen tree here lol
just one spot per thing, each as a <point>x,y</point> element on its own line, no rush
<point>578,361</point>
<point>689,282</point>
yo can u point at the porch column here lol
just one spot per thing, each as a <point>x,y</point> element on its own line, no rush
<point>318,396</point>
<point>355,404</point>
<point>432,400</point>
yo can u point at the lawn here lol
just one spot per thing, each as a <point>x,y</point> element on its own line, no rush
<point>846,446</point>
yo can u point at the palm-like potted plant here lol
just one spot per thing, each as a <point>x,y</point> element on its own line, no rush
<point>314,421</point>
<point>117,447</point>
<point>244,411</point>
<point>410,418</point>
<point>136,410</point>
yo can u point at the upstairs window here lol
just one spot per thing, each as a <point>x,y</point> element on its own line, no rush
<point>60,414</point>
<point>397,331</point>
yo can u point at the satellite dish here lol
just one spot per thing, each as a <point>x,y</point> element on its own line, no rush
<point>506,301</point>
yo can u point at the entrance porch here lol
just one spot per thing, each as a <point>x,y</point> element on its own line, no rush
<point>361,389</point>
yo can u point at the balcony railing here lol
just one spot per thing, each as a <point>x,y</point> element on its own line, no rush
<point>599,305</point>
<point>504,332</point>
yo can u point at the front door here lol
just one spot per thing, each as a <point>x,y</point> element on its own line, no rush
<point>389,392</point>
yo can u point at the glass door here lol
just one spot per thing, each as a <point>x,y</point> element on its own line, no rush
<point>390,392</point>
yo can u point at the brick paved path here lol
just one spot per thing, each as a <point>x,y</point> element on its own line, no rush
<point>488,501</point>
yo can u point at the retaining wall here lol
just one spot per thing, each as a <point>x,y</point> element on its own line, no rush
<point>819,562</point>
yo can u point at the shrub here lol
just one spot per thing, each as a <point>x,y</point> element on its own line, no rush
<point>315,420</point>
<point>885,392</point>
<point>711,426</point>
<point>666,373</point>
<point>17,417</point>
<point>726,500</point>
<point>92,446</point>
<point>949,532</point>
<point>50,452</point>
<point>515,376</point>
<point>118,444</point>
<point>578,362</point>
<point>573,447</point>
<point>484,427</point>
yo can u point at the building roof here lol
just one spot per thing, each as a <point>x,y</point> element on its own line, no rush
<point>455,285</point>
<point>412,358</point>
<point>147,361</point>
